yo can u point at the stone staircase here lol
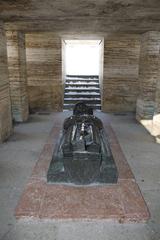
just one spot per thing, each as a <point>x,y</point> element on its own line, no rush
<point>82,88</point>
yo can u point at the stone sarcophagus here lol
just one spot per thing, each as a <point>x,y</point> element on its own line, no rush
<point>82,155</point>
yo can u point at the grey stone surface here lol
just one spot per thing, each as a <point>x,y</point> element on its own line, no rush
<point>19,154</point>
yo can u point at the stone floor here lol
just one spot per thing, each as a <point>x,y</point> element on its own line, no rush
<point>18,157</point>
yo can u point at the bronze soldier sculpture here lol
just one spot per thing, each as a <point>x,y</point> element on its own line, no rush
<point>83,155</point>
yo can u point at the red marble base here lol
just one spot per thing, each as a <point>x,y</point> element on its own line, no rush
<point>122,201</point>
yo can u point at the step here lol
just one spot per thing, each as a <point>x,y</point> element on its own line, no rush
<point>71,106</point>
<point>83,76</point>
<point>82,94</point>
<point>82,98</point>
<point>82,83</point>
<point>81,80</point>
<point>87,101</point>
<point>82,89</point>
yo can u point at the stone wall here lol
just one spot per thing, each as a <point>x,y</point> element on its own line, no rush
<point>121,61</point>
<point>5,106</point>
<point>44,71</point>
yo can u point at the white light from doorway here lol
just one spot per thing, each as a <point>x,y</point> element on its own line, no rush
<point>82,57</point>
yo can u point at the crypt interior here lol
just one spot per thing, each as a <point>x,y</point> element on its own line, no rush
<point>40,82</point>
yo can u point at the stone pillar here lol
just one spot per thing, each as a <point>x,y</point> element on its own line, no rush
<point>156,117</point>
<point>5,105</point>
<point>17,75</point>
<point>148,75</point>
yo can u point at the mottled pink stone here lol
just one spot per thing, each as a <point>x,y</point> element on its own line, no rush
<point>122,201</point>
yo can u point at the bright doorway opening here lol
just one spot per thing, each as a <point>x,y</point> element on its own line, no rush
<point>82,72</point>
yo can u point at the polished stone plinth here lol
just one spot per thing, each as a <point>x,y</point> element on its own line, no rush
<point>122,202</point>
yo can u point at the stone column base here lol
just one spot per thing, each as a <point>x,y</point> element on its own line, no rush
<point>5,120</point>
<point>144,113</point>
<point>144,109</point>
<point>156,127</point>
